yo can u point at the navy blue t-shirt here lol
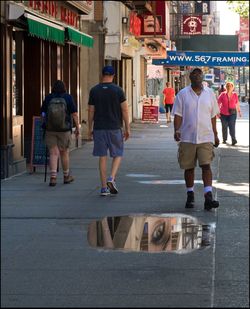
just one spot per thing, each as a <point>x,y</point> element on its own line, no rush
<point>107,99</point>
<point>71,106</point>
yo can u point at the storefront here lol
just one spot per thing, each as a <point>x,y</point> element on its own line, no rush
<point>40,43</point>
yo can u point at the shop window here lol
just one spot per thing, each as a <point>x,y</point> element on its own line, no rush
<point>14,101</point>
<point>16,77</point>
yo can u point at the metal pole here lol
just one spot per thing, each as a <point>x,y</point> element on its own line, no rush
<point>46,163</point>
<point>244,82</point>
<point>239,81</point>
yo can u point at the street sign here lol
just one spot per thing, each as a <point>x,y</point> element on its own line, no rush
<point>208,59</point>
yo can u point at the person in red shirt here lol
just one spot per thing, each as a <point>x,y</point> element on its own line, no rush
<point>229,106</point>
<point>168,100</point>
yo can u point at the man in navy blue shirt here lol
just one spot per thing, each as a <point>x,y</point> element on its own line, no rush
<point>108,110</point>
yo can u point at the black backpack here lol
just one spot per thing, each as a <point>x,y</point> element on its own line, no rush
<point>58,119</point>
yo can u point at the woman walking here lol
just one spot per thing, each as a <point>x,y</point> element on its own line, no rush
<point>229,106</point>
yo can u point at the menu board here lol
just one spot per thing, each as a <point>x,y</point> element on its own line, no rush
<point>38,147</point>
<point>150,113</point>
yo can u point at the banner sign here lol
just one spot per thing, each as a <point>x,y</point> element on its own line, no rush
<point>208,59</point>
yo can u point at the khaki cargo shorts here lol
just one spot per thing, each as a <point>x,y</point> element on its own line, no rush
<point>189,153</point>
<point>60,139</point>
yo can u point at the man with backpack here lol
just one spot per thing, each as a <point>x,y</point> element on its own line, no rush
<point>57,110</point>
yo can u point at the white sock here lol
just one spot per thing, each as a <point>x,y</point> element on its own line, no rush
<point>53,174</point>
<point>190,189</point>
<point>207,189</point>
<point>66,173</point>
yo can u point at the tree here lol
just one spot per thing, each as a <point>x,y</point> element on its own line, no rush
<point>240,7</point>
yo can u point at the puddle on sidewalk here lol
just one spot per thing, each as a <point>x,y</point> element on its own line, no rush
<point>176,233</point>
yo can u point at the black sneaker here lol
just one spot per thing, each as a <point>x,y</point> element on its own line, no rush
<point>210,202</point>
<point>190,200</point>
<point>234,142</point>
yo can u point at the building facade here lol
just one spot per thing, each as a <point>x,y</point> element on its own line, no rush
<point>40,43</point>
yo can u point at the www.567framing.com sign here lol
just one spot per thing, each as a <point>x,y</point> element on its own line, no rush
<point>209,59</point>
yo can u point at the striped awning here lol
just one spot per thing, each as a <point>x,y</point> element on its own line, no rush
<point>45,29</point>
<point>79,37</point>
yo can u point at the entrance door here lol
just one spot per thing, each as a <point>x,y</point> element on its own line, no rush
<point>32,87</point>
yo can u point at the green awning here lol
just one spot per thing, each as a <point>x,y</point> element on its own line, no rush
<point>44,29</point>
<point>79,37</point>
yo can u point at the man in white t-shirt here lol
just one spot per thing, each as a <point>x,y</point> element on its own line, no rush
<point>195,109</point>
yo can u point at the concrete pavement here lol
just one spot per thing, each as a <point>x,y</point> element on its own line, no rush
<point>46,259</point>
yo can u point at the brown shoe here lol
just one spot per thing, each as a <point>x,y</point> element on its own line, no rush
<point>52,182</point>
<point>68,179</point>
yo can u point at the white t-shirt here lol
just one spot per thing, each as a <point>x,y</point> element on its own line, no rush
<point>196,112</point>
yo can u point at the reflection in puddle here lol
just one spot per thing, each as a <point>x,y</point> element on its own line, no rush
<point>153,233</point>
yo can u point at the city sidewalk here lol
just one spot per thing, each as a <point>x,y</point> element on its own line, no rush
<point>46,259</point>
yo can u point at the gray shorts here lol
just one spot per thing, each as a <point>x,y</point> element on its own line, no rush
<point>105,140</point>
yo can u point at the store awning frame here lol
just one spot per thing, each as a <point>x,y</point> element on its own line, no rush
<point>79,37</point>
<point>44,29</point>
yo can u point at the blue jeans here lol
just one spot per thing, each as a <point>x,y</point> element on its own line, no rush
<point>228,121</point>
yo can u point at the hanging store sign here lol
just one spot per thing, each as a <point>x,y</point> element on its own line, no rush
<point>202,7</point>
<point>154,24</point>
<point>192,25</point>
<point>56,10</point>
<point>134,24</point>
<point>209,59</point>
